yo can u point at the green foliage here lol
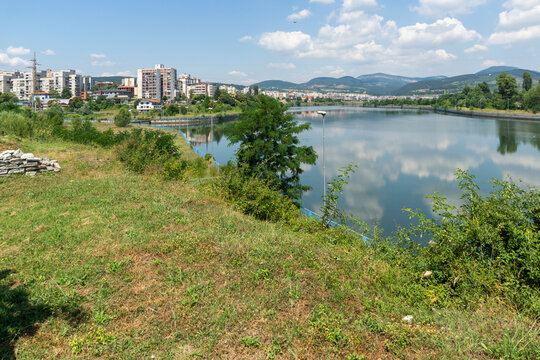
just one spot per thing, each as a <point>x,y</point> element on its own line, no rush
<point>172,110</point>
<point>84,132</point>
<point>174,168</point>
<point>183,110</point>
<point>66,93</point>
<point>251,342</point>
<point>257,197</point>
<point>489,245</point>
<point>531,99</point>
<point>330,210</point>
<point>16,124</point>
<point>527,81</point>
<point>143,149</point>
<point>269,145</point>
<point>507,86</point>
<point>122,118</point>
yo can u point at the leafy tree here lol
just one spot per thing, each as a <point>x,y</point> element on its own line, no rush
<point>183,110</point>
<point>86,109</point>
<point>66,93</point>
<point>507,85</point>
<point>122,118</point>
<point>269,145</point>
<point>217,93</point>
<point>172,110</point>
<point>532,99</point>
<point>76,103</point>
<point>527,81</point>
<point>55,114</point>
<point>54,94</point>
<point>256,90</point>
<point>484,87</point>
<point>8,97</point>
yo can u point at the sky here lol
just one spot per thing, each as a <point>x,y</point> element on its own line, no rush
<point>246,41</point>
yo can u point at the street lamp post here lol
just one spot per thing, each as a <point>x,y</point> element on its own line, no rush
<point>323,114</point>
<point>212,134</point>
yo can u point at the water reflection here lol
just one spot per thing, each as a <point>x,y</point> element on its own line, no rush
<point>404,156</point>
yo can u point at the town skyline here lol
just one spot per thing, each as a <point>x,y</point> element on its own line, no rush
<point>279,40</point>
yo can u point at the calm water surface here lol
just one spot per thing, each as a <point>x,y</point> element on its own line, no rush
<point>402,156</point>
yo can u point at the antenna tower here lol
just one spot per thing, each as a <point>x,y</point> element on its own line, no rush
<point>35,83</point>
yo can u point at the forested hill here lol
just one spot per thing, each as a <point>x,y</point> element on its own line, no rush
<point>385,84</point>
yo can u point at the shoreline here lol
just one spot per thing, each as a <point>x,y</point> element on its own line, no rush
<point>468,113</point>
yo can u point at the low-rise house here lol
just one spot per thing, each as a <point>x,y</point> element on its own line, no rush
<point>148,104</point>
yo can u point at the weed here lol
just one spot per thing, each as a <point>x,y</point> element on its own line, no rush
<point>251,341</point>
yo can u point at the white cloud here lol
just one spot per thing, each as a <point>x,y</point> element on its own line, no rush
<point>519,23</point>
<point>439,8</point>
<point>439,55</point>
<point>352,5</point>
<point>302,14</point>
<point>102,63</point>
<point>237,73</point>
<point>48,52</point>
<point>322,1</point>
<point>19,50</point>
<point>295,41</point>
<point>284,66</point>
<point>509,37</point>
<point>12,61</point>
<point>489,63</point>
<point>126,73</point>
<point>443,31</point>
<point>476,48</point>
<point>521,13</point>
<point>246,38</point>
<point>98,56</point>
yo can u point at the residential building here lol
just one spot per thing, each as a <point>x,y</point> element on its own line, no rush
<point>42,97</point>
<point>6,78</point>
<point>157,82</point>
<point>109,93</point>
<point>148,104</point>
<point>186,80</point>
<point>129,89</point>
<point>231,90</point>
<point>201,88</point>
<point>131,81</point>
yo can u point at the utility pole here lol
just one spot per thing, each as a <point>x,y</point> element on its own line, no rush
<point>35,84</point>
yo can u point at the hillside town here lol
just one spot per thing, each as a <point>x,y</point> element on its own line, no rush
<point>153,86</point>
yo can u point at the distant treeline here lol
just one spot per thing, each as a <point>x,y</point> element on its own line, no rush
<point>507,97</point>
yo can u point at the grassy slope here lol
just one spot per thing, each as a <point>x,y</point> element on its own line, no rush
<point>95,261</point>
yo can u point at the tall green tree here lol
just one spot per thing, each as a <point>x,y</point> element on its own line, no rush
<point>269,144</point>
<point>507,85</point>
<point>66,93</point>
<point>122,118</point>
<point>527,81</point>
<point>484,87</point>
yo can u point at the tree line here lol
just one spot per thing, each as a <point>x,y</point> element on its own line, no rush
<point>507,96</point>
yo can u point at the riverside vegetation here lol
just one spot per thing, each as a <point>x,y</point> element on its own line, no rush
<point>121,256</point>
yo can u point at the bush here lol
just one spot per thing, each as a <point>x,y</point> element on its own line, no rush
<point>174,169</point>
<point>16,124</point>
<point>489,245</point>
<point>143,149</point>
<point>255,196</point>
<point>122,118</point>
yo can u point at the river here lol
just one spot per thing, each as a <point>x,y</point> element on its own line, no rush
<point>402,156</point>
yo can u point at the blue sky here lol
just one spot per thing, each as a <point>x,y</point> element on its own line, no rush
<point>244,41</point>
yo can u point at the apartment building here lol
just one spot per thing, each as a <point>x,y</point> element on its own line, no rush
<point>21,83</point>
<point>231,90</point>
<point>201,88</point>
<point>157,82</point>
<point>186,80</point>
<point>131,81</point>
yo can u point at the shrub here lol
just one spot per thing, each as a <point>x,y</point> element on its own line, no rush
<point>122,118</point>
<point>490,244</point>
<point>255,196</point>
<point>174,169</point>
<point>143,149</point>
<point>16,124</point>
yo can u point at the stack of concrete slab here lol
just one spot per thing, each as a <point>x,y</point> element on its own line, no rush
<point>16,162</point>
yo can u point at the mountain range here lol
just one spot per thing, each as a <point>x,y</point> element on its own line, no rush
<point>385,84</point>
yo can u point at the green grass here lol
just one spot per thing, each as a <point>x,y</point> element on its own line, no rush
<point>97,262</point>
